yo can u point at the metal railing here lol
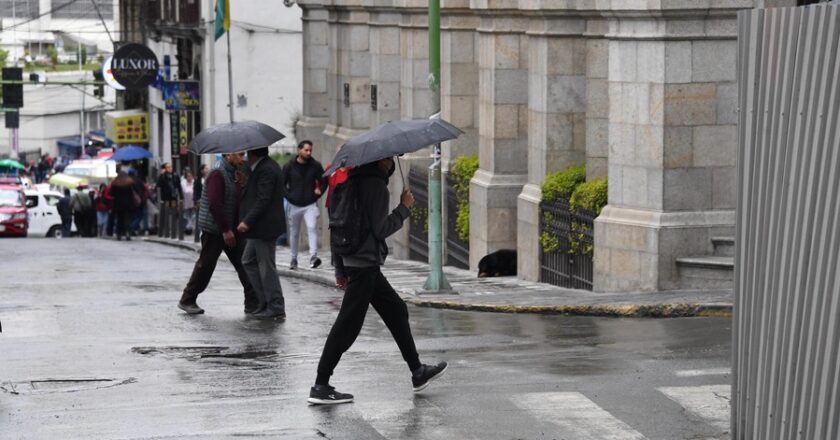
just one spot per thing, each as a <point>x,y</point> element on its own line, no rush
<point>418,226</point>
<point>457,250</point>
<point>569,262</point>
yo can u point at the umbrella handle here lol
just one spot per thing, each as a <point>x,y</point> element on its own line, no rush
<point>402,176</point>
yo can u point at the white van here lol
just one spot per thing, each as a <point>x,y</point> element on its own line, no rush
<point>42,208</point>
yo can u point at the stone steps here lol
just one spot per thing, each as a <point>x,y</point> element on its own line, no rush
<point>714,271</point>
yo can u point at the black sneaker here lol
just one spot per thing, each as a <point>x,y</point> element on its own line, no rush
<point>314,262</point>
<point>425,374</point>
<point>293,264</point>
<point>327,395</point>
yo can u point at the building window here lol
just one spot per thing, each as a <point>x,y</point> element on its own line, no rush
<point>19,8</point>
<point>84,9</point>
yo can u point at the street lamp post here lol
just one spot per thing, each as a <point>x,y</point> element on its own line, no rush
<point>436,282</point>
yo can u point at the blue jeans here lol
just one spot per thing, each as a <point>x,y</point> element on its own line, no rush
<point>66,224</point>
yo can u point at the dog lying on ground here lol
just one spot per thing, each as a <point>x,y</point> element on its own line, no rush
<point>501,263</point>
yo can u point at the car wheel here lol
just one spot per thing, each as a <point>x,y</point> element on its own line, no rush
<point>54,232</point>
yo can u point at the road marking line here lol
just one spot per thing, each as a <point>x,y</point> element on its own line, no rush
<point>709,402</point>
<point>706,372</point>
<point>580,418</point>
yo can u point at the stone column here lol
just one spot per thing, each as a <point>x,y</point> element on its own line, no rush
<point>556,122</point>
<point>416,102</point>
<point>459,83</point>
<point>385,66</point>
<point>316,56</point>
<point>503,135</point>
<point>597,99</point>
<point>672,136</point>
<point>459,94</point>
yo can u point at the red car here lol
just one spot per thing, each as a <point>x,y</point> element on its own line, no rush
<point>13,216</point>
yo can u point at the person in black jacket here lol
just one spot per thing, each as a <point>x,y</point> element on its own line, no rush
<point>66,213</point>
<point>262,220</point>
<point>367,286</point>
<point>170,186</point>
<point>304,182</point>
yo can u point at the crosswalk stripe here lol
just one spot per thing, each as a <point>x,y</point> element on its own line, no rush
<point>579,417</point>
<point>709,402</point>
<point>706,372</point>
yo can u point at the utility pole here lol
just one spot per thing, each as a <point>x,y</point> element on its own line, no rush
<point>82,111</point>
<point>436,282</point>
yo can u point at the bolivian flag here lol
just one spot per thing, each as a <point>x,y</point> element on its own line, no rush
<point>222,17</point>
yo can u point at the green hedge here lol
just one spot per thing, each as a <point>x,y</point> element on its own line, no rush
<point>562,184</point>
<point>463,169</point>
<point>590,195</point>
<point>571,184</point>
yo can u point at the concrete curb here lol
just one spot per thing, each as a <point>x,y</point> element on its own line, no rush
<point>679,310</point>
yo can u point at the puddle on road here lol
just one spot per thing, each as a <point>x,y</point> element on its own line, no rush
<point>65,385</point>
<point>249,356</point>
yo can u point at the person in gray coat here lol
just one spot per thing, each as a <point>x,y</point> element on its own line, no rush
<point>367,286</point>
<point>262,221</point>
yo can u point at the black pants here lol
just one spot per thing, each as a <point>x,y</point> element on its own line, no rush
<point>81,223</point>
<point>212,246</point>
<point>367,286</point>
<point>122,219</point>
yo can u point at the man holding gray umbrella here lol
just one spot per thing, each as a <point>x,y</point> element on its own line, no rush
<point>260,210</point>
<point>263,220</point>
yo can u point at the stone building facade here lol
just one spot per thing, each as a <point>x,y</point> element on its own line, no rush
<point>642,91</point>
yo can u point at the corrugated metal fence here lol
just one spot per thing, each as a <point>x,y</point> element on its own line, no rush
<point>787,311</point>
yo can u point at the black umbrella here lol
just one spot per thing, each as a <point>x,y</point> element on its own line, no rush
<point>392,139</point>
<point>234,137</point>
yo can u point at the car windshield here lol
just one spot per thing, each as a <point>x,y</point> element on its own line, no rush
<point>10,197</point>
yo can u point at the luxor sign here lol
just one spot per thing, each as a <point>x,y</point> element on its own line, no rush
<point>134,66</point>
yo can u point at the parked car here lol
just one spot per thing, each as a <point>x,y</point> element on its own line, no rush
<point>42,208</point>
<point>13,215</point>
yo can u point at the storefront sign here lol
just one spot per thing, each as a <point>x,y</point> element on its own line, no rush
<point>181,95</point>
<point>174,133</point>
<point>183,127</point>
<point>127,127</point>
<point>134,66</point>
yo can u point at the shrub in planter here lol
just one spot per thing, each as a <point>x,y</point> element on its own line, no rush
<point>562,184</point>
<point>463,169</point>
<point>591,196</point>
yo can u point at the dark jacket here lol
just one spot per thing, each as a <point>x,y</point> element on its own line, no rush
<point>299,180</point>
<point>262,202</point>
<point>63,206</point>
<point>122,189</point>
<point>170,187</point>
<point>218,211</point>
<point>374,197</point>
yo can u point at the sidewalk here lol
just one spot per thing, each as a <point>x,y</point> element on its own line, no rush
<point>511,295</point>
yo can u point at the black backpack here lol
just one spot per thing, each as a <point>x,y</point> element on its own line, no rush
<point>348,225</point>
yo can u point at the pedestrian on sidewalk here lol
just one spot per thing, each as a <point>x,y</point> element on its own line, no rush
<point>66,213</point>
<point>170,187</point>
<point>79,204</point>
<point>366,285</point>
<point>122,190</point>
<point>187,189</point>
<point>303,183</point>
<point>262,221</point>
<point>218,214</point>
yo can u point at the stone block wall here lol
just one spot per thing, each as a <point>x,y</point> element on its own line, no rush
<point>642,91</point>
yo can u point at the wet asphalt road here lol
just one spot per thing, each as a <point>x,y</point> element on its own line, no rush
<point>94,347</point>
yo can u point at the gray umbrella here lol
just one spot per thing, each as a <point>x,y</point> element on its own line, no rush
<point>234,137</point>
<point>391,139</point>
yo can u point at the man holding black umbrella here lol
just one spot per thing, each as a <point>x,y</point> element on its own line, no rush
<point>367,286</point>
<point>262,222</point>
<point>217,217</point>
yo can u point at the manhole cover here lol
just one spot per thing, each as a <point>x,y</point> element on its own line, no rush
<point>63,385</point>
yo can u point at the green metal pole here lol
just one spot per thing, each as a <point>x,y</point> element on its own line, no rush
<point>436,283</point>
